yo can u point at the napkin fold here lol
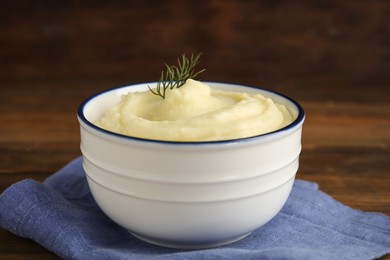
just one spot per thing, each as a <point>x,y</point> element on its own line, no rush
<point>62,216</point>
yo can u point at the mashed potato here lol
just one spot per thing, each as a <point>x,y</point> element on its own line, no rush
<point>195,112</point>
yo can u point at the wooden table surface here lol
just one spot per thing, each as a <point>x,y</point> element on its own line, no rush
<point>331,56</point>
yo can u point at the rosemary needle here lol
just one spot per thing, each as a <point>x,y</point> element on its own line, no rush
<point>176,76</point>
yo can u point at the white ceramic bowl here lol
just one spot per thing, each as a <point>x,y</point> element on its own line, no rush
<point>189,194</point>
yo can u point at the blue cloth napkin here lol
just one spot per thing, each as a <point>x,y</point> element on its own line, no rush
<point>61,215</point>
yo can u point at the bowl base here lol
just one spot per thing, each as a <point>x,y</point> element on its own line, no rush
<point>178,245</point>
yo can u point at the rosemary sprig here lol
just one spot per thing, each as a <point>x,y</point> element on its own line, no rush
<point>176,76</point>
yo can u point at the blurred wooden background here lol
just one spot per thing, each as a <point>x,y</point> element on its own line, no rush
<point>332,56</point>
<point>255,42</point>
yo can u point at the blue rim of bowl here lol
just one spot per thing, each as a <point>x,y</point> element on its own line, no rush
<point>297,121</point>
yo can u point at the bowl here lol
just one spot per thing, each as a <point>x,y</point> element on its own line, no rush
<point>189,194</point>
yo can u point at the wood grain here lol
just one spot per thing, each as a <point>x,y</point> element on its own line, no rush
<point>332,56</point>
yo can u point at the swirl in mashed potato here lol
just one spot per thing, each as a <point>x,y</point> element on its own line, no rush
<point>195,112</point>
